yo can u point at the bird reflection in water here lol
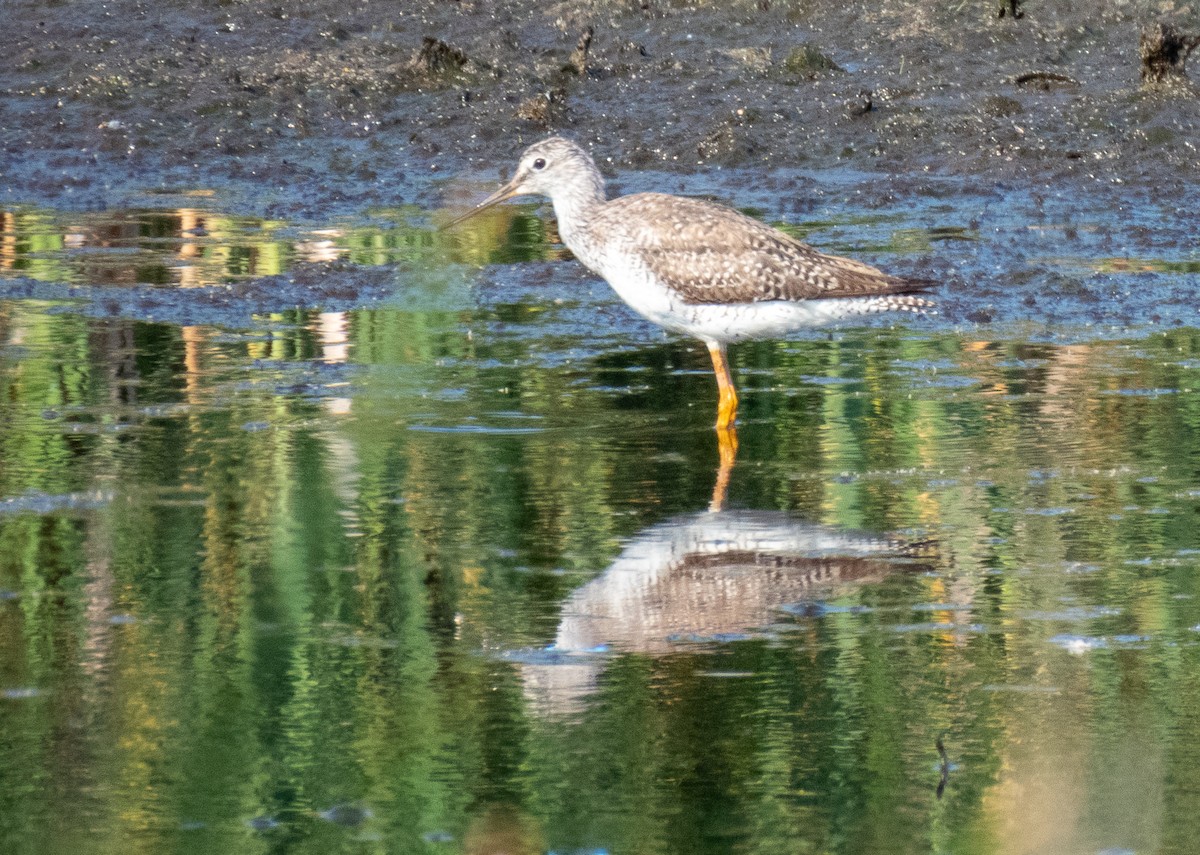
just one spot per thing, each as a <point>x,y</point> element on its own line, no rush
<point>709,576</point>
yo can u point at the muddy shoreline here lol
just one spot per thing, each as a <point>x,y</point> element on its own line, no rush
<point>1045,183</point>
<point>332,107</point>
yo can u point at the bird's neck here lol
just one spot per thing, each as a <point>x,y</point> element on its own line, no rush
<point>574,206</point>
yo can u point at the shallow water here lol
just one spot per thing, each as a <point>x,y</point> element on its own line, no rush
<point>295,564</point>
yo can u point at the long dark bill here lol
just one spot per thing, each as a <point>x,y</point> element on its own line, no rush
<point>506,192</point>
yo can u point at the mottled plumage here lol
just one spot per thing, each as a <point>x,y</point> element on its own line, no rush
<point>708,253</point>
<point>699,268</point>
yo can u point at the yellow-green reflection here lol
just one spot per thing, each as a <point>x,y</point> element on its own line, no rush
<point>252,585</point>
<point>191,247</point>
<point>198,246</point>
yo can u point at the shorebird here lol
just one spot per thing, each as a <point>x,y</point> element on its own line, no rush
<point>696,267</point>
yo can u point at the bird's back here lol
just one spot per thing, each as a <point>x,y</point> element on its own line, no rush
<point>708,253</point>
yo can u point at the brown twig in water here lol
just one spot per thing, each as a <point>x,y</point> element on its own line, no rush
<point>1045,78</point>
<point>577,64</point>
<point>941,747</point>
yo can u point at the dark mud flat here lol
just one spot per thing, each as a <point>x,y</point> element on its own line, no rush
<point>304,108</point>
<point>954,115</point>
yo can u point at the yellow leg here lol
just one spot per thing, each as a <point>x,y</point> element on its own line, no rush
<point>728,401</point>
<point>727,440</point>
<point>727,447</point>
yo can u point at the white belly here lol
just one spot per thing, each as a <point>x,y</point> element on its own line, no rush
<point>731,322</point>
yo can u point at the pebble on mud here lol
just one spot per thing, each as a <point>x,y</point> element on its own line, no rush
<point>437,57</point>
<point>728,142</point>
<point>1000,106</point>
<point>808,60</point>
<point>544,108</point>
<point>860,104</point>
<point>752,58</point>
<point>1164,50</point>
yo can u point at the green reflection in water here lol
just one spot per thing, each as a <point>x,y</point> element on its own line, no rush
<point>291,591</point>
<point>198,246</point>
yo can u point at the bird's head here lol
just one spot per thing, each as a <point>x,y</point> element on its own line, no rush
<point>554,167</point>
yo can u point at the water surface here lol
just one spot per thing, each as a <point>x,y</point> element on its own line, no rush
<point>434,571</point>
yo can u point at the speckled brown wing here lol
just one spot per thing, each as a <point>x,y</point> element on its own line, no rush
<point>711,254</point>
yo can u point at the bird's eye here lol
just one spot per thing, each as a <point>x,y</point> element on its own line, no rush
<point>540,163</point>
